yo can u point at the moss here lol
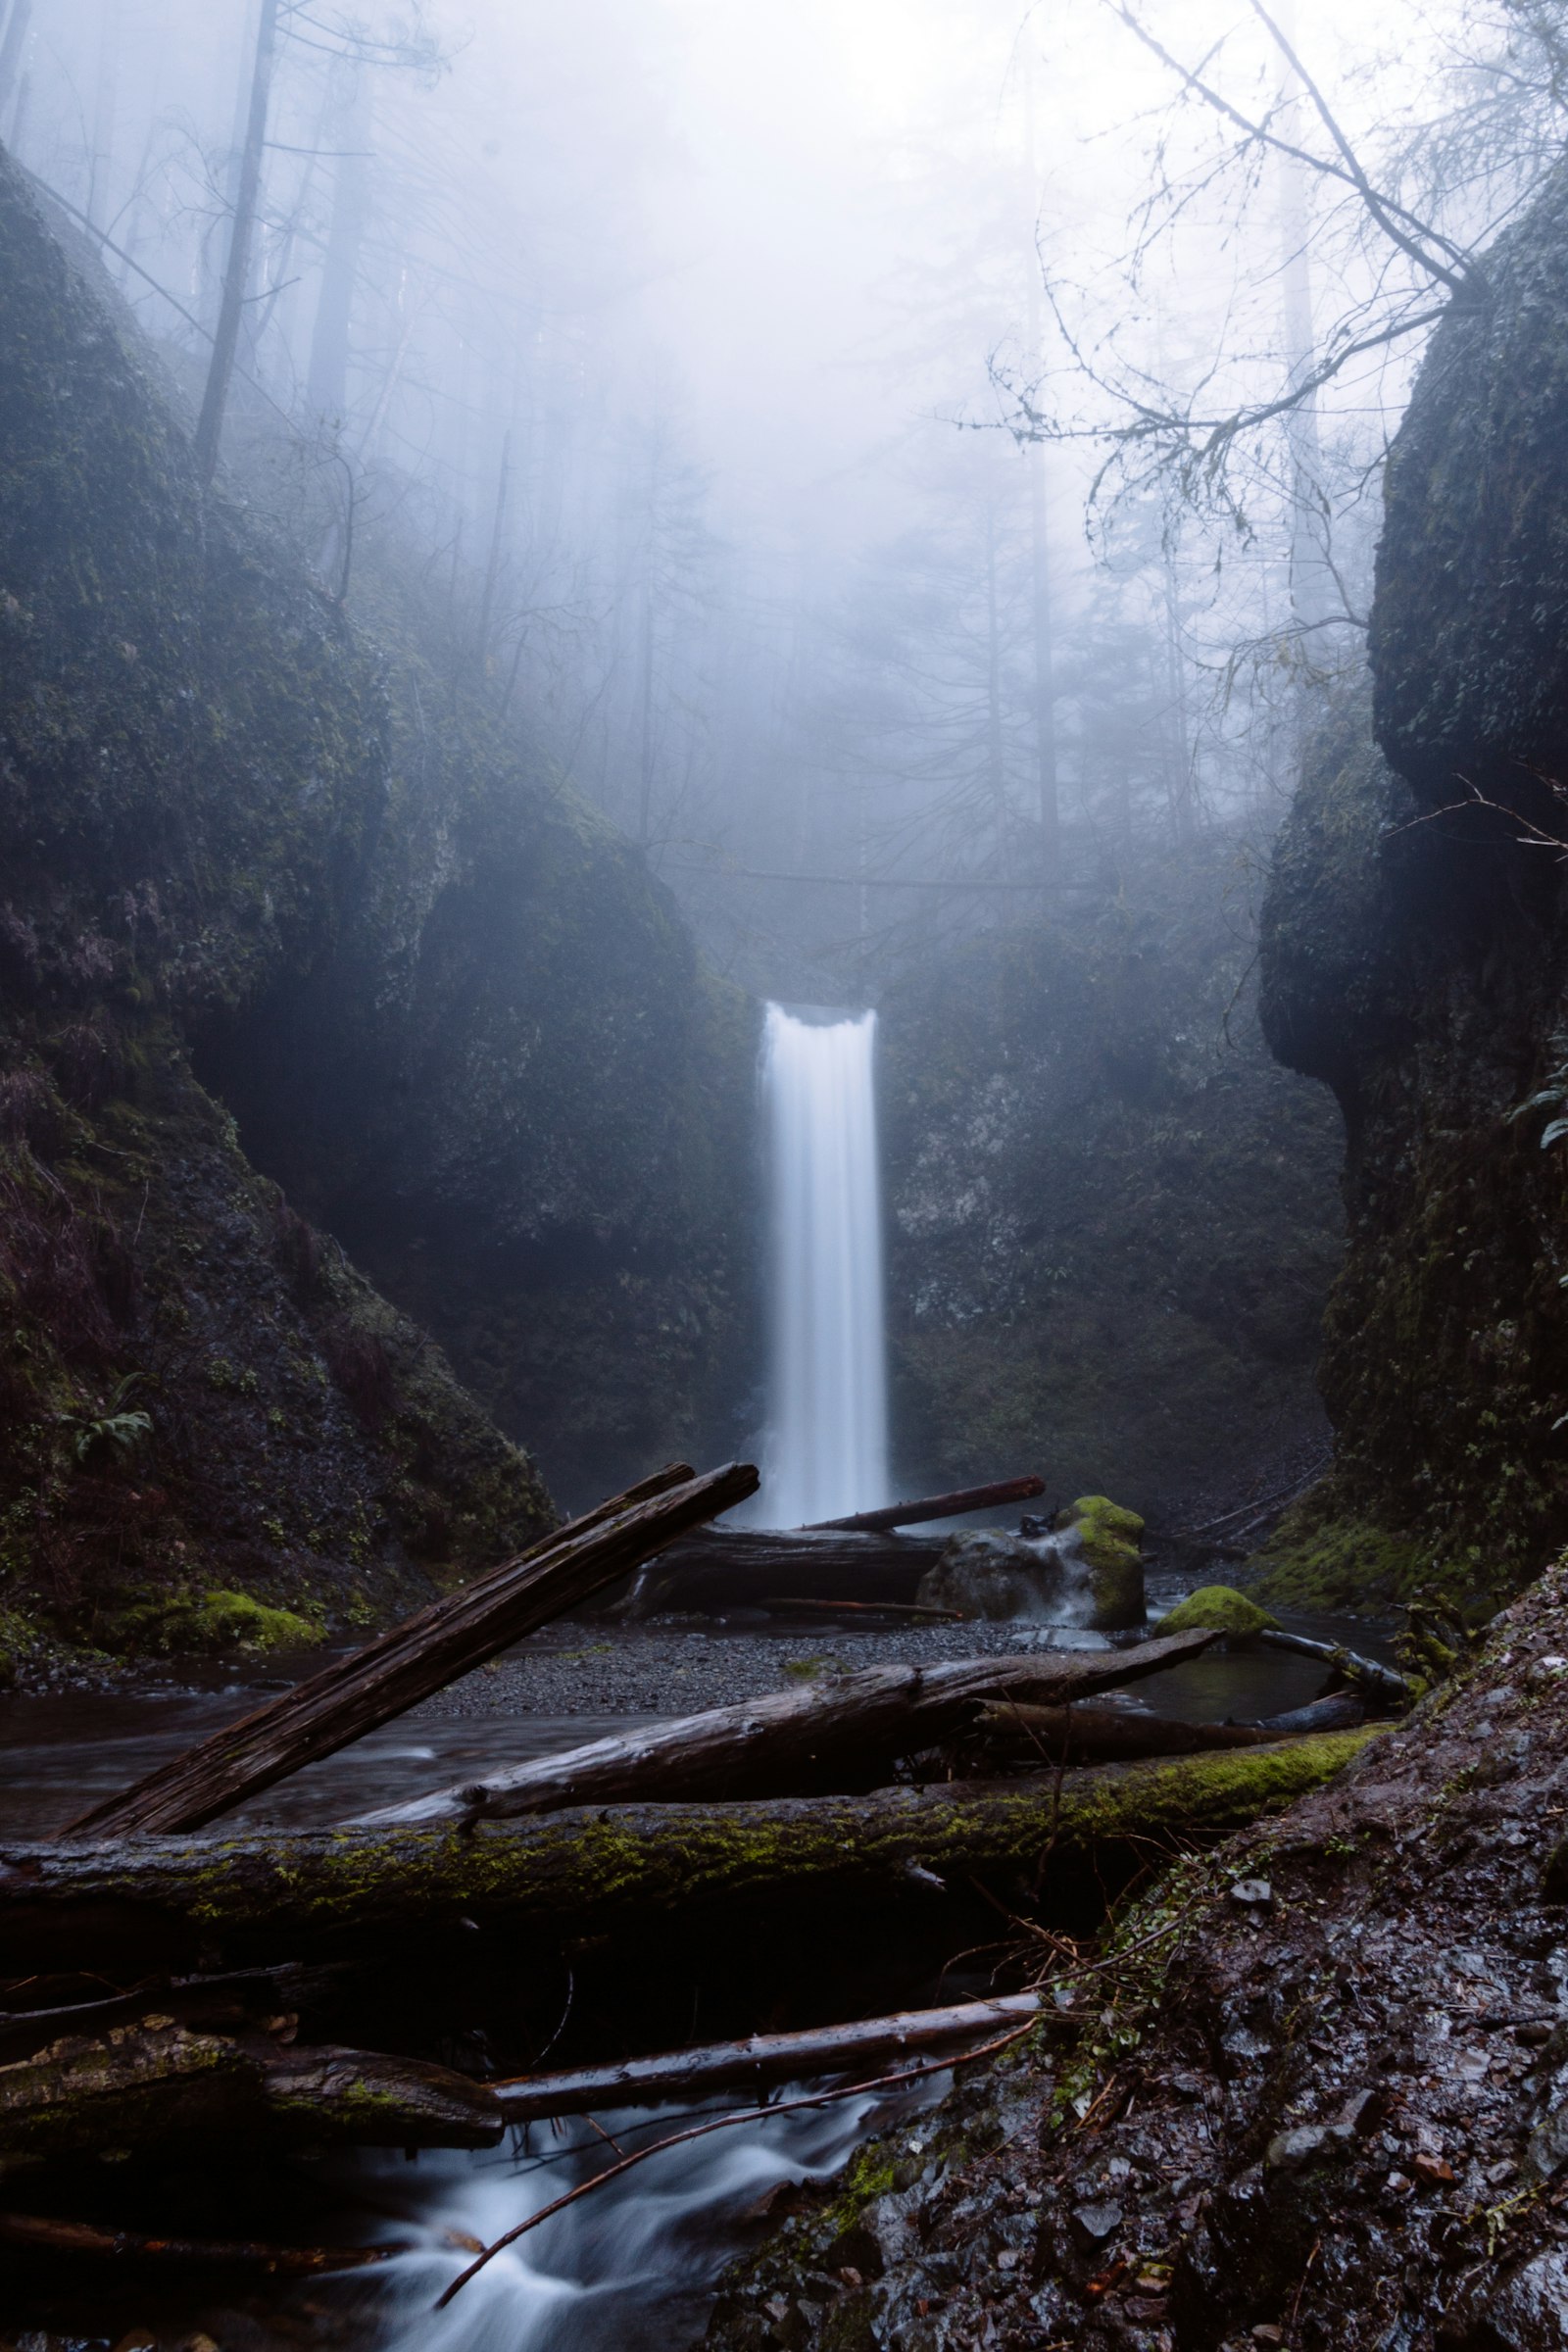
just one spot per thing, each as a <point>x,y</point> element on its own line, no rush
<point>213,1622</point>
<point>1108,1536</point>
<point>1221,1607</point>
<point>1325,1556</point>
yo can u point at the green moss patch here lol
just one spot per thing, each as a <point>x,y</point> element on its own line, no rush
<point>1222,1609</point>
<point>214,1622</point>
<point>1326,1556</point>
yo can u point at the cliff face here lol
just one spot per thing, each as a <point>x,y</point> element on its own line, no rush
<point>453,1014</point>
<point>1414,959</point>
<point>1113,1219</point>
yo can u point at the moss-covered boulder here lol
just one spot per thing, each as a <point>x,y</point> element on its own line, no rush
<point>1221,1609</point>
<point>1107,1537</point>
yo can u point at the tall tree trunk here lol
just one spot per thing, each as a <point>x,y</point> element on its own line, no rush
<point>1313,593</point>
<point>1045,697</point>
<point>225,341</point>
<point>327,377</point>
<point>644,815</point>
<point>101,161</point>
<point>996,766</point>
<point>492,566</point>
<point>18,25</point>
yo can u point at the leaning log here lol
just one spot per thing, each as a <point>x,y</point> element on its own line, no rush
<point>163,2087</point>
<point>762,2058</point>
<point>994,1497</point>
<point>260,1894</point>
<point>43,2233</point>
<point>792,1743</point>
<point>424,1654</point>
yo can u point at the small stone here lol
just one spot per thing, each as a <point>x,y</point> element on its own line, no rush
<point>1432,2167</point>
<point>1254,1894</point>
<point>1144,2310</point>
<point>1289,2150</point>
<point>850,2276</point>
<point>1009,2259</point>
<point>1398,2185</point>
<point>1265,2332</point>
<point>1094,2223</point>
<point>778,2310</point>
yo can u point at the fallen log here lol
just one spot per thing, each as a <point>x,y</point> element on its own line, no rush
<point>424,1654</point>
<point>256,1893</point>
<point>762,2058</point>
<point>718,1568</point>
<point>1096,1735</point>
<point>856,1612</point>
<point>1379,1683</point>
<point>165,2086</point>
<point>790,1744</point>
<point>51,2236</point>
<point>992,1497</point>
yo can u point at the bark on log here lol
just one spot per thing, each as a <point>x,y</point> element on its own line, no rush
<point>581,1870</point>
<point>721,1568</point>
<point>1096,1735</point>
<point>992,1497</point>
<point>47,2236</point>
<point>790,1744</point>
<point>429,1650</point>
<point>763,2058</point>
<point>1380,1683</point>
<point>165,2086</point>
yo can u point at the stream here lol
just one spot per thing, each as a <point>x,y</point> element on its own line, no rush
<point>630,2270</point>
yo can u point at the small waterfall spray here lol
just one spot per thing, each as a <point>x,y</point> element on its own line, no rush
<point>827,1442</point>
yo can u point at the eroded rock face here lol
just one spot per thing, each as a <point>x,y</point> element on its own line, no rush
<point>1415,958</point>
<point>1315,2121</point>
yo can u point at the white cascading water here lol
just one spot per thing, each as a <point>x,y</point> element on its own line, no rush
<point>828,1439</point>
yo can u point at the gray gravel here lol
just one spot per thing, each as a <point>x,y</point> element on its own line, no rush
<point>669,1667</point>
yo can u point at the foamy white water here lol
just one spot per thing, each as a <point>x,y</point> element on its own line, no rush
<point>828,1439</point>
<point>631,2268</point>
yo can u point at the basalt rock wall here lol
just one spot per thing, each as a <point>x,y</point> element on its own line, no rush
<point>1415,958</point>
<point>257,863</point>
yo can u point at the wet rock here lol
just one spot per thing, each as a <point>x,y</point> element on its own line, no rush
<point>985,1573</point>
<point>1221,1607</point>
<point>1253,1895</point>
<point>1094,2225</point>
<point>1526,2313</point>
<point>1107,1538</point>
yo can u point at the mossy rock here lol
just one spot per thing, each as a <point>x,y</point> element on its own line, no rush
<point>214,1621</point>
<point>1107,1537</point>
<point>1221,1609</point>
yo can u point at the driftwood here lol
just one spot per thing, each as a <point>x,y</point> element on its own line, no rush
<point>47,2236</point>
<point>259,1893</point>
<point>1379,1683</point>
<point>719,1568</point>
<point>790,1743</point>
<point>162,2085</point>
<point>856,1612</point>
<point>763,2058</point>
<point>430,1649</point>
<point>994,1497</point>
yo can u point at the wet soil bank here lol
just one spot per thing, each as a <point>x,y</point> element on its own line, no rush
<point>1314,2094</point>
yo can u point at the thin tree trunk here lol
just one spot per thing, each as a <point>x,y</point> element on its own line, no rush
<point>18,25</point>
<point>236,274</point>
<point>327,377</point>
<point>492,567</point>
<point>1048,797</point>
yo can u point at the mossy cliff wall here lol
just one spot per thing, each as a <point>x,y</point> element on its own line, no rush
<point>1113,1219</point>
<point>1415,958</point>
<point>423,975</point>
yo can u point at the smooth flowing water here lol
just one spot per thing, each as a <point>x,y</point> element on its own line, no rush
<point>828,1439</point>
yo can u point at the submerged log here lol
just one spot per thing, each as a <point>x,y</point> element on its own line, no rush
<point>261,1894</point>
<point>165,2086</point>
<point>762,2058</point>
<point>790,1743</point>
<point>429,1650</point>
<point>994,1497</point>
<point>1095,1734</point>
<point>1379,1683</point>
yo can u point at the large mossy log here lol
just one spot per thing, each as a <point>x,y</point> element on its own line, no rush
<point>421,1655</point>
<point>258,1895</point>
<point>793,1742</point>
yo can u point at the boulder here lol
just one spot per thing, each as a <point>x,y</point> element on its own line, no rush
<point>1107,1538</point>
<point>1221,1607</point>
<point>984,1572</point>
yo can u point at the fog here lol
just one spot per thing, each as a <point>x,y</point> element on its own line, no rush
<point>786,415</point>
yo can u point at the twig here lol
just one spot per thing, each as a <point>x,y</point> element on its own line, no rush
<point>723,2122</point>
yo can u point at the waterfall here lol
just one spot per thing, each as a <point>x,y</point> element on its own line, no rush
<point>828,1439</point>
